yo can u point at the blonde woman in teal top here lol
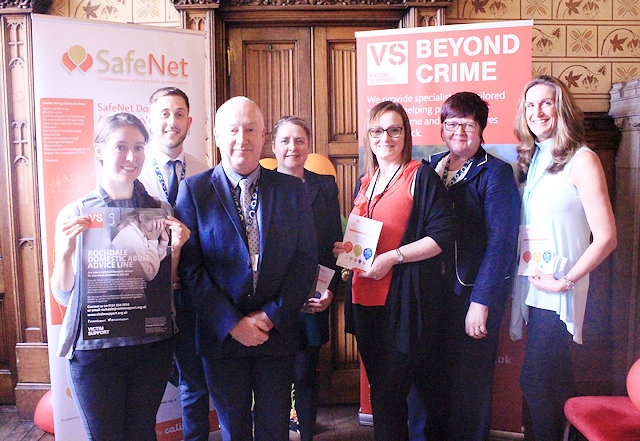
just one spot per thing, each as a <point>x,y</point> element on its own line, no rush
<point>564,194</point>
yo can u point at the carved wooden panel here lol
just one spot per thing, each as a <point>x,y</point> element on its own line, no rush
<point>343,101</point>
<point>335,131</point>
<point>23,317</point>
<point>339,372</point>
<point>347,173</point>
<point>274,69</point>
<point>23,172</point>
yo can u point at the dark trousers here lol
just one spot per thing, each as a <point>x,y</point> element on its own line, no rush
<point>262,380</point>
<point>306,389</point>
<point>546,377</point>
<point>388,372</point>
<point>467,367</point>
<point>194,396</point>
<point>118,390</point>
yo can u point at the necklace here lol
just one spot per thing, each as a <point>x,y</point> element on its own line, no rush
<point>458,175</point>
<point>373,191</point>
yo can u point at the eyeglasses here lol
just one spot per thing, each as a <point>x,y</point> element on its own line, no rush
<point>393,131</point>
<point>451,126</point>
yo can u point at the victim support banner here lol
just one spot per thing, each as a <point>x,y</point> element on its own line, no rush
<point>420,68</point>
<point>85,70</point>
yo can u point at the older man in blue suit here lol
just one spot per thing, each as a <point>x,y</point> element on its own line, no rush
<point>249,267</point>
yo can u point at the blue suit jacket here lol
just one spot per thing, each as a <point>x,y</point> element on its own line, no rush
<point>487,216</point>
<point>215,265</point>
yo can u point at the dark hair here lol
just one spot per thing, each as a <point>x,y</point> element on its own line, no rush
<point>169,91</point>
<point>464,104</point>
<point>370,162</point>
<point>293,120</point>
<point>569,131</point>
<point>115,121</point>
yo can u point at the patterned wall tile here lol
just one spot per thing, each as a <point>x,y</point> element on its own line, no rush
<point>108,10</point>
<point>583,9</point>
<point>541,68</point>
<point>622,72</point>
<point>172,13</point>
<point>582,41</point>
<point>619,41</point>
<point>584,77</point>
<point>156,12</point>
<point>60,8</point>
<point>451,12</point>
<point>626,9</point>
<point>537,9</point>
<point>149,11</point>
<point>593,102</point>
<point>549,41</point>
<point>489,9</point>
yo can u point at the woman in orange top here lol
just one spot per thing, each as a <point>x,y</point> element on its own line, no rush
<point>395,304</point>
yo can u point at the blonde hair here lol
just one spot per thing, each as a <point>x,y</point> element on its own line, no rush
<point>568,135</point>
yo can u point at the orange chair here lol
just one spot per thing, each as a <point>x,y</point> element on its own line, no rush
<point>603,418</point>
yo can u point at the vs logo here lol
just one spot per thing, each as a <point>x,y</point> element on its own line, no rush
<point>387,63</point>
<point>96,220</point>
<point>392,53</point>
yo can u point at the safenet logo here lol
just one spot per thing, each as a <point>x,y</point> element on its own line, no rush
<point>77,57</point>
<point>130,63</point>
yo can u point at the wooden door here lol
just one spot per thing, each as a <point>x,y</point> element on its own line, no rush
<point>336,136</point>
<point>273,68</point>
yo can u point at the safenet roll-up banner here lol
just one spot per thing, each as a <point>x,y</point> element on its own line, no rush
<point>420,68</point>
<point>84,70</point>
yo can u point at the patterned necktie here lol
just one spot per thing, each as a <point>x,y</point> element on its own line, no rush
<point>250,224</point>
<point>173,182</point>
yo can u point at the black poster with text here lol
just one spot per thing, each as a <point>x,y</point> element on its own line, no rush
<point>125,281</point>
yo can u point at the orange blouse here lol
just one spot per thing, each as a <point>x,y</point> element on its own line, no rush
<point>392,207</point>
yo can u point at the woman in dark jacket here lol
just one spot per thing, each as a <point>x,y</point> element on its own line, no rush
<point>479,267</point>
<point>291,146</point>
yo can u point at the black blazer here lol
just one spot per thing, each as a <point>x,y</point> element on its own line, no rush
<point>323,196</point>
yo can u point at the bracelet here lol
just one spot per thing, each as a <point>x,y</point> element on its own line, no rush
<point>399,255</point>
<point>568,283</point>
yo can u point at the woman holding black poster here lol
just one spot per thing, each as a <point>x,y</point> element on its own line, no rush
<point>117,381</point>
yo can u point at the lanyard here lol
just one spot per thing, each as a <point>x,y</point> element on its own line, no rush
<point>458,175</point>
<point>161,178</point>
<point>373,190</point>
<point>252,207</point>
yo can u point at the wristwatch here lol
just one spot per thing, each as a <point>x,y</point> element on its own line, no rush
<point>399,255</point>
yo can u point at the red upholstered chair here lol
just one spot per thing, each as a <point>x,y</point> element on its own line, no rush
<point>603,418</point>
